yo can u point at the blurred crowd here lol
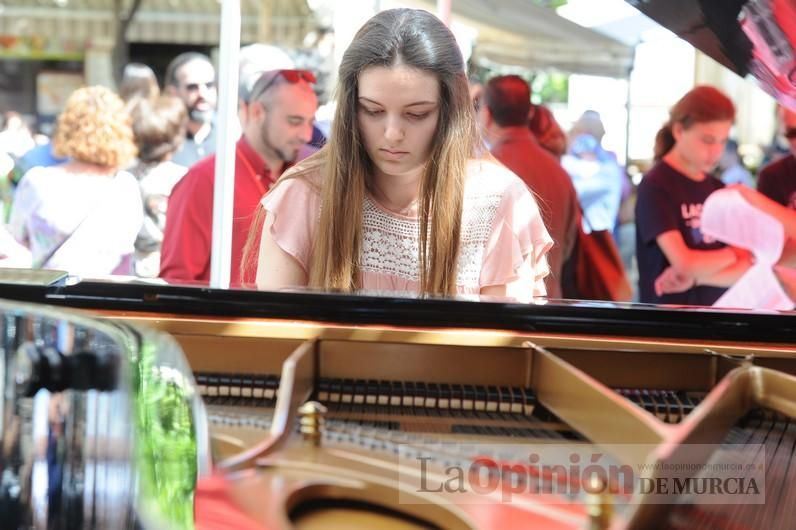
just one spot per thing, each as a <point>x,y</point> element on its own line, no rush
<point>94,197</point>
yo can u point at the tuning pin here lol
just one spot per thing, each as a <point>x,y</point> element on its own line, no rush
<point>312,414</point>
<point>599,504</point>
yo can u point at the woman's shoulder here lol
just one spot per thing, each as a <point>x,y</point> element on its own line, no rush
<point>162,177</point>
<point>73,174</point>
<point>166,169</point>
<point>661,171</point>
<point>299,186</point>
<point>41,183</point>
<point>304,174</point>
<point>488,177</point>
<point>125,181</point>
<point>493,192</point>
<point>660,176</point>
<point>37,176</point>
<point>298,182</point>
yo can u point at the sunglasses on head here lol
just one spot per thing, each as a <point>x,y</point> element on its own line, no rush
<point>790,133</point>
<point>267,79</point>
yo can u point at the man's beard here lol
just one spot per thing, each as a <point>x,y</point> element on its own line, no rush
<point>201,116</point>
<point>287,156</point>
<point>283,154</point>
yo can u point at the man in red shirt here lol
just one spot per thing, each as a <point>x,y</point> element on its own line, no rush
<point>280,115</point>
<point>503,117</point>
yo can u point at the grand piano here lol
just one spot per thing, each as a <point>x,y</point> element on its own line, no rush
<point>136,405</point>
<point>401,390</point>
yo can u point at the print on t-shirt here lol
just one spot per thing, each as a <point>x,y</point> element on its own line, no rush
<point>692,217</point>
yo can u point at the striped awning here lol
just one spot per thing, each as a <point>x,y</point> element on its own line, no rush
<point>157,21</point>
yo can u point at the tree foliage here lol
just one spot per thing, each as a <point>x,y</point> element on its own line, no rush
<point>553,4</point>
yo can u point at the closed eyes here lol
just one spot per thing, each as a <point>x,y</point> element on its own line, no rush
<point>416,116</point>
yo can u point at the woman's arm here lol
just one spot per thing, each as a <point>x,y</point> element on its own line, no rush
<point>701,265</point>
<point>727,276</point>
<point>275,267</point>
<point>720,268</point>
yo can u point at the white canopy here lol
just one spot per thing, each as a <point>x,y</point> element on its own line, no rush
<point>520,33</point>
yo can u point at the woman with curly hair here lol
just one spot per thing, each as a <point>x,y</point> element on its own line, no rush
<point>83,216</point>
<point>399,198</point>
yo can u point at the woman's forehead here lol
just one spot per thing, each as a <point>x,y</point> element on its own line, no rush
<point>398,84</point>
<point>713,126</point>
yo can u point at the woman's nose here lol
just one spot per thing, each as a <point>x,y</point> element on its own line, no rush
<point>393,131</point>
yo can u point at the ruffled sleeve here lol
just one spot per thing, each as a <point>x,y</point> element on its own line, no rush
<point>518,243</point>
<point>295,206</point>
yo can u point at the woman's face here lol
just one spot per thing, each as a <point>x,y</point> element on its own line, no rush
<point>702,144</point>
<point>398,111</point>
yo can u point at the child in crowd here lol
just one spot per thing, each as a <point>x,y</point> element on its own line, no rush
<point>669,205</point>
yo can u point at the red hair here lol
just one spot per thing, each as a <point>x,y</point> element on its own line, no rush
<point>701,104</point>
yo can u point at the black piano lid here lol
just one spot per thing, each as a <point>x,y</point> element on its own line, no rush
<point>755,37</point>
<point>594,318</point>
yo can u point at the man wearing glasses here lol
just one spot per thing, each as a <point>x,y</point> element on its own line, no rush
<point>192,78</point>
<point>278,123</point>
<point>778,179</point>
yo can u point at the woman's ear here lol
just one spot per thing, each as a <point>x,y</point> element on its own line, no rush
<point>677,131</point>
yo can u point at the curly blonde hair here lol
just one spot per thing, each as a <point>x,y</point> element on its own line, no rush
<point>95,127</point>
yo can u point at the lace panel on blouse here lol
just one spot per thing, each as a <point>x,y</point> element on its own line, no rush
<point>391,245</point>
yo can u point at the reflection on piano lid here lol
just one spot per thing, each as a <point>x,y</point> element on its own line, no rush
<point>558,316</point>
<point>755,37</point>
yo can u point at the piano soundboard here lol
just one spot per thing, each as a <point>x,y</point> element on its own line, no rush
<point>448,398</point>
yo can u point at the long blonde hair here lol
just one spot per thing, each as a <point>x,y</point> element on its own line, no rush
<point>417,39</point>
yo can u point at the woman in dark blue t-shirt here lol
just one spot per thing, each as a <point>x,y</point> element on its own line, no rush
<point>677,263</point>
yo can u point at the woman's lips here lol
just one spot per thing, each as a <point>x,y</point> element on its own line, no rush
<point>389,154</point>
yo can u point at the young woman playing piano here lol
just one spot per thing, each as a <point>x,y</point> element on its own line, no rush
<point>402,197</point>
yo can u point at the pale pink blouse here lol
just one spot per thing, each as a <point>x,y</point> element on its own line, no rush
<point>502,231</point>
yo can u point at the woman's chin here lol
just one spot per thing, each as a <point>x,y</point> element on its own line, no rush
<point>398,169</point>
